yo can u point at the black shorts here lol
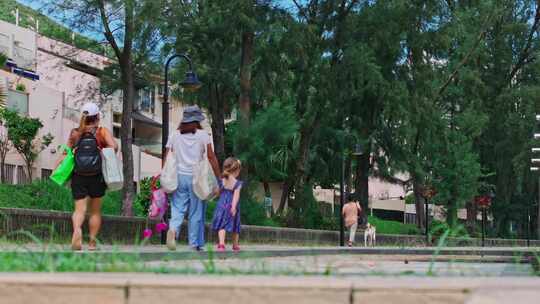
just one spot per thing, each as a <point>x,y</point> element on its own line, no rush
<point>92,186</point>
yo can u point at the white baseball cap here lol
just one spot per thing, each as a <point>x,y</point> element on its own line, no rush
<point>90,109</point>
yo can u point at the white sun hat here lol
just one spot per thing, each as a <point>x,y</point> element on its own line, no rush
<point>90,109</point>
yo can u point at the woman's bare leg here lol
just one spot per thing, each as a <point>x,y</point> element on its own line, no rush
<point>95,221</point>
<point>78,219</point>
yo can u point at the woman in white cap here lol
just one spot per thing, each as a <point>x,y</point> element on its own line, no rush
<point>188,144</point>
<point>87,184</point>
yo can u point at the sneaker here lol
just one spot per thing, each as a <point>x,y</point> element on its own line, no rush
<point>198,249</point>
<point>171,239</point>
<point>236,248</point>
<point>220,248</point>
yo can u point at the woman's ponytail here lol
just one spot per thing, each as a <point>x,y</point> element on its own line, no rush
<point>82,123</point>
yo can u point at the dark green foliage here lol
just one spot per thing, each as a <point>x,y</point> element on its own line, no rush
<point>267,142</point>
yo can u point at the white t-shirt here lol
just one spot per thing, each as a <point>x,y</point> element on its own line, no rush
<point>188,149</point>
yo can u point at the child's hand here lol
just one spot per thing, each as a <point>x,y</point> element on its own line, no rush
<point>233,211</point>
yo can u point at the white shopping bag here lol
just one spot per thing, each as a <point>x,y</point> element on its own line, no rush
<point>204,180</point>
<point>169,175</point>
<point>112,169</point>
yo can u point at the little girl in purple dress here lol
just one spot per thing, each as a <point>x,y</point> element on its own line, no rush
<point>227,213</point>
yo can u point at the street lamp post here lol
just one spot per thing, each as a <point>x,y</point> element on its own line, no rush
<point>428,193</point>
<point>427,221</point>
<point>190,83</point>
<point>358,150</point>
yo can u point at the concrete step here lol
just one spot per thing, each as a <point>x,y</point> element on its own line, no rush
<point>131,288</point>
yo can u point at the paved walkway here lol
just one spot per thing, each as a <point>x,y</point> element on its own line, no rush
<point>158,252</point>
<point>148,288</point>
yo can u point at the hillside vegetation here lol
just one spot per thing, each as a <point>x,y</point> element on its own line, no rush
<point>47,27</point>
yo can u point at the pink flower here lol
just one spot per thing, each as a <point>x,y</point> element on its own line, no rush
<point>147,233</point>
<point>161,227</point>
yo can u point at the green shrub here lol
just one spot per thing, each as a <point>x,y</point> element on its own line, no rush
<point>392,227</point>
<point>142,201</point>
<point>47,195</point>
<point>112,203</point>
<point>20,87</point>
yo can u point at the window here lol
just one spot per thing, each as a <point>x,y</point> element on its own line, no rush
<point>147,100</point>
<point>17,101</point>
<point>9,171</point>
<point>117,118</point>
<point>45,173</point>
<point>22,177</point>
<point>116,132</point>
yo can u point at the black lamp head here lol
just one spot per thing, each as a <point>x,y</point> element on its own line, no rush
<point>358,150</point>
<point>191,83</point>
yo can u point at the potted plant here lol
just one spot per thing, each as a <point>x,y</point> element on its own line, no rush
<point>20,87</point>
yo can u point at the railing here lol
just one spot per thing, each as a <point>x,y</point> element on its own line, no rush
<point>24,58</point>
<point>149,146</point>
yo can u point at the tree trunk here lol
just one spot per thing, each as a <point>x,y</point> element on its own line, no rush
<point>284,196</point>
<point>126,137</point>
<point>471,217</point>
<point>29,171</point>
<point>419,202</point>
<point>362,180</point>
<point>218,121</point>
<point>245,78</point>
<point>299,177</point>
<point>3,168</point>
<point>245,88</point>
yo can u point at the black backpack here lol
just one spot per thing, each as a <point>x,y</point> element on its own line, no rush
<point>88,155</point>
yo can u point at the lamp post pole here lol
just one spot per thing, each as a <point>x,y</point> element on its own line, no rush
<point>165,104</point>
<point>342,202</point>
<point>528,227</point>
<point>191,81</point>
<point>427,221</point>
<point>483,225</point>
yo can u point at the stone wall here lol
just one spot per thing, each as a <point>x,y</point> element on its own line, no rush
<point>127,230</point>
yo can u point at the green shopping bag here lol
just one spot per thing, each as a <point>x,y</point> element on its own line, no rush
<point>63,172</point>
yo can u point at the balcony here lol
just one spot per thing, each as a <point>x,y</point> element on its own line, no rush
<point>148,146</point>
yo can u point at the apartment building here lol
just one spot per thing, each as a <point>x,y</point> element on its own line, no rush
<point>50,80</point>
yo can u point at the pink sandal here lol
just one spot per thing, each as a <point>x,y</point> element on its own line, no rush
<point>220,248</point>
<point>236,248</point>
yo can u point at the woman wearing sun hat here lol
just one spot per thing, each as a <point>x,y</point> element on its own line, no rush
<point>188,143</point>
<point>87,184</point>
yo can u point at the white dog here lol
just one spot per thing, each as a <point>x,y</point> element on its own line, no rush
<point>370,234</point>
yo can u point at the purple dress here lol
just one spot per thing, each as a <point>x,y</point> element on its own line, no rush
<point>223,218</point>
